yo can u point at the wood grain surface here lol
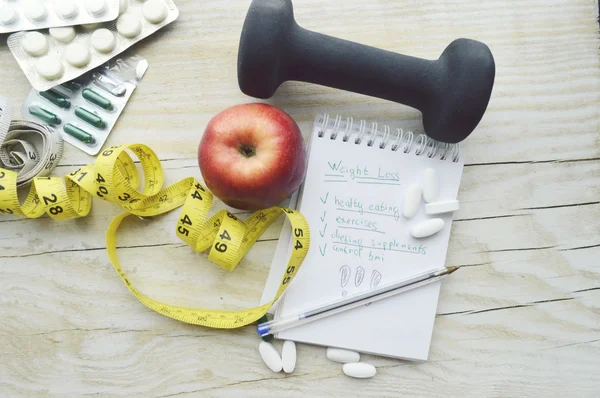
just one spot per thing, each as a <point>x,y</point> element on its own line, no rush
<point>521,319</point>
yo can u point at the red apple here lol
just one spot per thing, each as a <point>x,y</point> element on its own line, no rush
<point>252,156</point>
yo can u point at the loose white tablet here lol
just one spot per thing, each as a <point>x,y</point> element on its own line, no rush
<point>8,15</point>
<point>103,40</point>
<point>49,67</point>
<point>359,370</point>
<point>66,9</point>
<point>288,356</point>
<point>63,35</point>
<point>427,228</point>
<point>431,189</point>
<point>412,200</point>
<point>35,10</point>
<point>123,5</point>
<point>129,25</point>
<point>442,206</point>
<point>96,7</point>
<point>270,356</point>
<point>155,11</point>
<point>35,44</point>
<point>78,54</point>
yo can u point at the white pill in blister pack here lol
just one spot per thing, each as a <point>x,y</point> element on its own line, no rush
<point>427,228</point>
<point>24,15</point>
<point>102,41</point>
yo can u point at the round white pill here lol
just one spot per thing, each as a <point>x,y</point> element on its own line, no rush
<point>91,26</point>
<point>342,356</point>
<point>412,200</point>
<point>64,34</point>
<point>78,55</point>
<point>35,10</point>
<point>288,356</point>
<point>8,15</point>
<point>96,7</point>
<point>35,44</point>
<point>129,25</point>
<point>103,40</point>
<point>49,67</point>
<point>430,185</point>
<point>270,356</point>
<point>123,5</point>
<point>155,11</point>
<point>66,9</point>
<point>442,206</point>
<point>359,370</point>
<point>427,228</point>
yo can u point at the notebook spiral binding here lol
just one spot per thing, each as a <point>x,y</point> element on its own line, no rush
<point>399,139</point>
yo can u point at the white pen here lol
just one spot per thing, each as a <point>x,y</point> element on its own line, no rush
<point>357,300</point>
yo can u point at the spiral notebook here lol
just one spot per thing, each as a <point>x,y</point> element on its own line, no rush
<point>352,197</point>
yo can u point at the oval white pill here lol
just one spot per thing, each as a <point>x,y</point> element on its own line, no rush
<point>288,356</point>
<point>35,44</point>
<point>412,200</point>
<point>270,356</point>
<point>123,5</point>
<point>66,9</point>
<point>442,206</point>
<point>129,25</point>
<point>430,185</point>
<point>427,228</point>
<point>49,67</point>
<point>64,35</point>
<point>77,54</point>
<point>35,10</point>
<point>342,356</point>
<point>359,370</point>
<point>96,7</point>
<point>155,11</point>
<point>8,15</point>
<point>103,40</point>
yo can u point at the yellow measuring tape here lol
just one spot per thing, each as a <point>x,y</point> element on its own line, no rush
<point>114,178</point>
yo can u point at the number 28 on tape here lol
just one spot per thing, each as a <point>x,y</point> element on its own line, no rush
<point>114,178</point>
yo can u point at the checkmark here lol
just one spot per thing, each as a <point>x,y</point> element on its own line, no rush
<point>323,233</point>
<point>322,250</point>
<point>324,214</point>
<point>324,200</point>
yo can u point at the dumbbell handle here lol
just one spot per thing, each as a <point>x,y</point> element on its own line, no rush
<point>329,61</point>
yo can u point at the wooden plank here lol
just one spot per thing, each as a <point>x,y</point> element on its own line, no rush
<point>521,317</point>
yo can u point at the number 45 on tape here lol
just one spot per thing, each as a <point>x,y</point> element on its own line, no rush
<point>114,178</point>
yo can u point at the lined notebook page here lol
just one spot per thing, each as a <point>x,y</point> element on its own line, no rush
<point>352,198</point>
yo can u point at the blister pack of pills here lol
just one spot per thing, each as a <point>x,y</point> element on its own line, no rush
<point>63,54</point>
<point>85,110</point>
<point>19,15</point>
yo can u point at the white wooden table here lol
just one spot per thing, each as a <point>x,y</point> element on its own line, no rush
<point>522,318</point>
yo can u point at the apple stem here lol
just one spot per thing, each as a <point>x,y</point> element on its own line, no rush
<point>247,150</point>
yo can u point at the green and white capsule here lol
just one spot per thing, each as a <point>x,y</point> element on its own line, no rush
<point>89,117</point>
<point>97,99</point>
<point>80,134</point>
<point>44,115</point>
<point>56,98</point>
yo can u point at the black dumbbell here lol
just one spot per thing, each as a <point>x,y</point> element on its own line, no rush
<point>451,92</point>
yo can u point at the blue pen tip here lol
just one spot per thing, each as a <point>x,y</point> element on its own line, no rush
<point>262,330</point>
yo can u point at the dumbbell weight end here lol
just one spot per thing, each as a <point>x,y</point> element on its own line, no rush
<point>451,92</point>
